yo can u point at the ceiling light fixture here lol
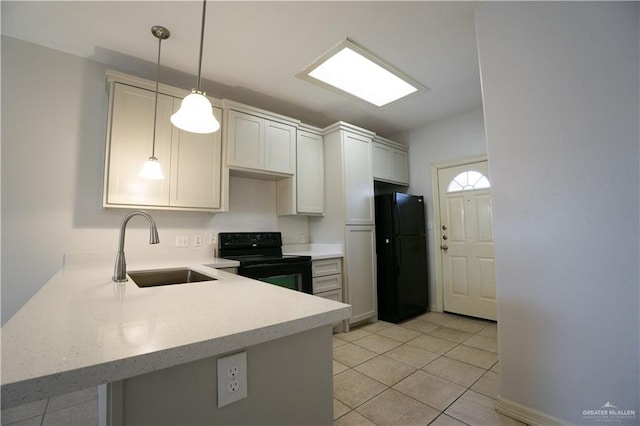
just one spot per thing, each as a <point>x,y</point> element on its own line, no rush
<point>352,70</point>
<point>151,168</point>
<point>196,113</point>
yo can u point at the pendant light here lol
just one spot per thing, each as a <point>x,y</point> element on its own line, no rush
<point>196,113</point>
<point>151,168</point>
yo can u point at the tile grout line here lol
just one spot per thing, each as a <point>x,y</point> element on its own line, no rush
<point>441,412</point>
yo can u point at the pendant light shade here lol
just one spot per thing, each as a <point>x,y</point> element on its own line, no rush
<point>196,113</point>
<point>151,168</point>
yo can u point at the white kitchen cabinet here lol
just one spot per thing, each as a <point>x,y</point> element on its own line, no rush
<point>310,173</point>
<point>303,193</point>
<point>245,140</point>
<point>349,214</point>
<point>327,279</point>
<point>358,179</point>
<point>195,169</point>
<point>191,163</point>
<point>129,145</point>
<point>390,161</point>
<point>327,275</point>
<point>361,289</point>
<point>279,147</point>
<point>260,144</point>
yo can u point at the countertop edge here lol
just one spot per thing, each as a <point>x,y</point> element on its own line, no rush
<point>34,389</point>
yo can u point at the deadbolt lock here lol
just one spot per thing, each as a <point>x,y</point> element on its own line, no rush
<point>444,237</point>
<point>444,227</point>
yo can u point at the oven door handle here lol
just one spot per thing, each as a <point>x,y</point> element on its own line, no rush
<point>270,264</point>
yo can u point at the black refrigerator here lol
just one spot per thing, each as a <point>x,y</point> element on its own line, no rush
<point>401,245</point>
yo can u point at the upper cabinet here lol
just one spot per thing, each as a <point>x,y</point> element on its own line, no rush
<point>259,144</point>
<point>349,173</point>
<point>358,179</point>
<point>191,162</point>
<point>390,161</point>
<point>303,193</point>
<point>310,173</point>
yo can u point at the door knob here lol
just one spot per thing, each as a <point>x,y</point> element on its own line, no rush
<point>444,237</point>
<point>444,247</point>
<point>444,227</point>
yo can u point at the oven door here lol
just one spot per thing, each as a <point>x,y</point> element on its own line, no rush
<point>293,275</point>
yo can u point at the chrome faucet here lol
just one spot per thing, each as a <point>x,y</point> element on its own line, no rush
<point>120,269</point>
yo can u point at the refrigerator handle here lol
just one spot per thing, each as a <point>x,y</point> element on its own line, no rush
<point>398,254</point>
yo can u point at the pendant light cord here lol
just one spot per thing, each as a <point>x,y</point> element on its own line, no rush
<point>204,13</point>
<point>155,110</point>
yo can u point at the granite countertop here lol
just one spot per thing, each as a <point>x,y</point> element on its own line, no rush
<point>82,329</point>
<point>316,251</point>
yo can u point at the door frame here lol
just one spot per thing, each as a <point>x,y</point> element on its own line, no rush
<point>435,200</point>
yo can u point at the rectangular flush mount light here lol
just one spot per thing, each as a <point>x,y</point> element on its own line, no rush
<point>350,69</point>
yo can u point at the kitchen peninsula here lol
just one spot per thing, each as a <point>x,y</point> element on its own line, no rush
<point>158,346</point>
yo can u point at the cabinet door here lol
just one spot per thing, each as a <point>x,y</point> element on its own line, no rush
<point>196,176</point>
<point>381,161</point>
<point>361,288</point>
<point>245,140</point>
<point>400,166</point>
<point>358,180</point>
<point>130,144</point>
<point>279,147</point>
<point>310,173</point>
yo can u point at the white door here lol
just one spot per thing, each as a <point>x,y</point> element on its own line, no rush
<point>279,147</point>
<point>246,140</point>
<point>130,145</point>
<point>358,179</point>
<point>361,287</point>
<point>196,175</point>
<point>310,173</point>
<point>466,241</point>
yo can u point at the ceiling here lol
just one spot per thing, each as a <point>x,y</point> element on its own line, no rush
<point>253,50</point>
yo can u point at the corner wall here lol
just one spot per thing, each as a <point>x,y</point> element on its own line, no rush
<point>560,93</point>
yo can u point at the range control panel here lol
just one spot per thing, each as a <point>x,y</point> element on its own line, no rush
<point>249,239</point>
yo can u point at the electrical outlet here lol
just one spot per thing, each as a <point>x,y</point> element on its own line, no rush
<point>197,240</point>
<point>302,238</point>
<point>182,241</point>
<point>212,240</point>
<point>232,378</point>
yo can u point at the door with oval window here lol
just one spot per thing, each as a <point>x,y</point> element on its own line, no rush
<point>466,241</point>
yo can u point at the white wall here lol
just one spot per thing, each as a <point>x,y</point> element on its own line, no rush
<point>560,92</point>
<point>447,140</point>
<point>53,140</point>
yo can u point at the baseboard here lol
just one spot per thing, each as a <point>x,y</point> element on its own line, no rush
<point>526,414</point>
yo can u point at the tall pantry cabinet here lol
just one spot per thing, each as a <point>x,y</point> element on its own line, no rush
<point>349,213</point>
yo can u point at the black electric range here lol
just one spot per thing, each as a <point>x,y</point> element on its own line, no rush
<point>260,256</point>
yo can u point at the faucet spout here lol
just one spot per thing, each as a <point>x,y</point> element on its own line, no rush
<point>120,268</point>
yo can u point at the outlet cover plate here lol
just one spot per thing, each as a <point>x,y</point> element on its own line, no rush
<point>232,378</point>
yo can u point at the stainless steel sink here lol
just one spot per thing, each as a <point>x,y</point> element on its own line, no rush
<point>157,277</point>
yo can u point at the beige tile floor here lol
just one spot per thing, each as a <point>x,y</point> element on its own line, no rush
<point>436,369</point>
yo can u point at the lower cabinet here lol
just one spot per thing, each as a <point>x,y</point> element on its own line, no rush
<point>360,286</point>
<point>327,279</point>
<point>327,276</point>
